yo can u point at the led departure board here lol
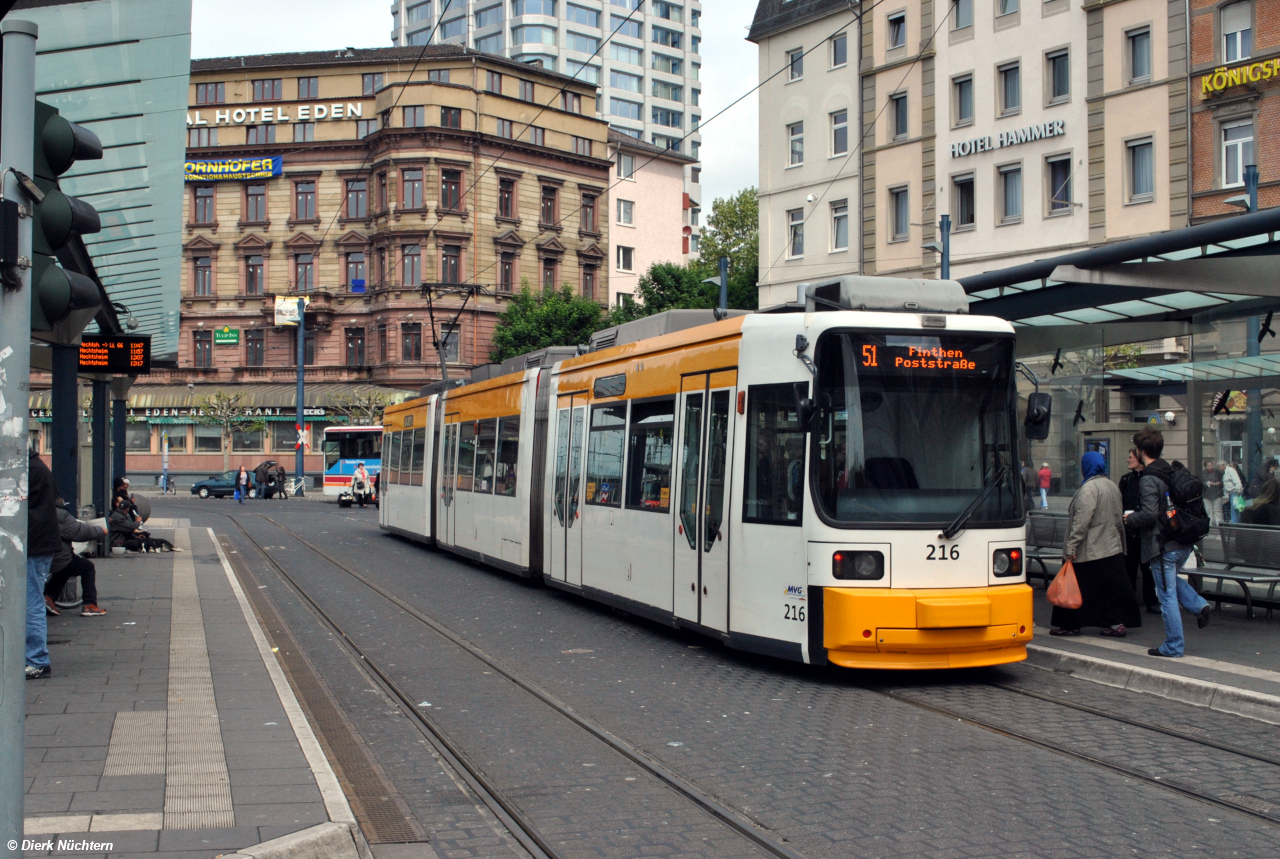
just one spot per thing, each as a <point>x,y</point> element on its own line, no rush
<point>127,354</point>
<point>926,355</point>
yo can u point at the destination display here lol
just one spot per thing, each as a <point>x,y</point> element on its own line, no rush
<point>127,354</point>
<point>890,354</point>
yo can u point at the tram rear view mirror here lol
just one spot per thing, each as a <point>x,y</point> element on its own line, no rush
<point>1039,408</point>
<point>806,409</point>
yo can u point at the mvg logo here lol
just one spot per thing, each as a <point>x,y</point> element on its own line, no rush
<point>795,592</point>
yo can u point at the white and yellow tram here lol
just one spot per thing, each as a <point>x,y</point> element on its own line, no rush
<point>821,485</point>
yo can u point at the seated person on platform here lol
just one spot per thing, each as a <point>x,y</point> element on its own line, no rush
<point>67,564</point>
<point>1264,509</point>
<point>127,532</point>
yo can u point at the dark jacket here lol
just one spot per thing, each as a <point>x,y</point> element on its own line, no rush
<point>122,527</point>
<point>1263,514</point>
<point>43,538</point>
<point>1145,519</point>
<point>72,531</point>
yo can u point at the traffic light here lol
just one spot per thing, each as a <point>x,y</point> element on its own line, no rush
<point>55,292</point>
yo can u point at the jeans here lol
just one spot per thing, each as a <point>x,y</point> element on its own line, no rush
<point>1231,505</point>
<point>1171,591</point>
<point>1044,498</point>
<point>37,626</point>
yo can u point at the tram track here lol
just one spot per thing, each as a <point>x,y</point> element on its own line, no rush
<point>521,826</point>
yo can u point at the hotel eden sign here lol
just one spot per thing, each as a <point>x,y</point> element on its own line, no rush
<point>256,115</point>
<point>1054,128</point>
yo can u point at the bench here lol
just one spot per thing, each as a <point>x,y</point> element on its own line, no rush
<point>1256,547</point>
<point>1046,533</point>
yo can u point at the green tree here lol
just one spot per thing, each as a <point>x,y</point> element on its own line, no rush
<point>733,230</point>
<point>224,411</point>
<point>362,406</point>
<point>550,317</point>
<point>669,286</point>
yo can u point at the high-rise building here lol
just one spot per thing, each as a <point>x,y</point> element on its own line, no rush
<point>644,56</point>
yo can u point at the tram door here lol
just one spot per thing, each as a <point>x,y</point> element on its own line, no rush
<point>702,532</point>
<point>566,524</point>
<point>447,518</point>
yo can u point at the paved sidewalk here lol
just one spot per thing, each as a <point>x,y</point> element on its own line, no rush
<point>162,729</point>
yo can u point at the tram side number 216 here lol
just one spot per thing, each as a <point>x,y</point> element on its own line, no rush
<point>943,552</point>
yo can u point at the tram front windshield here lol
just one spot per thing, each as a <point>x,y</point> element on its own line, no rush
<point>912,427</point>
<point>365,446</point>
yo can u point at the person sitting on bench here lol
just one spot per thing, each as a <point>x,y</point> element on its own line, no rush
<point>67,564</point>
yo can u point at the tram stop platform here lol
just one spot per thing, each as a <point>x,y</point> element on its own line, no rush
<point>169,727</point>
<point>1232,665</point>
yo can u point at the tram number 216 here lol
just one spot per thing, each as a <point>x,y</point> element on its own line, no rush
<point>792,612</point>
<point>943,552</point>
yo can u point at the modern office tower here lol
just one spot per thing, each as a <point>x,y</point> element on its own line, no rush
<point>643,54</point>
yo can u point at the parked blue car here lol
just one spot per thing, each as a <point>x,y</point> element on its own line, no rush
<point>219,486</point>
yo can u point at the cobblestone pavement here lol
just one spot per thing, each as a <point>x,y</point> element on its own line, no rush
<point>836,769</point>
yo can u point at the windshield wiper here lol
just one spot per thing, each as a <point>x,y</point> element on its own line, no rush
<point>966,514</point>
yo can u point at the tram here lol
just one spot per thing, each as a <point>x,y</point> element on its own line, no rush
<point>827,485</point>
<point>345,447</point>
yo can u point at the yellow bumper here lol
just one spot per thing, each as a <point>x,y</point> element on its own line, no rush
<point>946,628</point>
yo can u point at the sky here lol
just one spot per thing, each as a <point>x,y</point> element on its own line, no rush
<point>729,143</point>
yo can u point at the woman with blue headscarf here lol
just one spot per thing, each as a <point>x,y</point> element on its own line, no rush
<point>1095,544</point>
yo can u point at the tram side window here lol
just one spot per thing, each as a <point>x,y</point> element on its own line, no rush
<point>604,455</point>
<point>775,460</point>
<point>649,456</point>
<point>508,456</point>
<point>406,457</point>
<point>386,445</point>
<point>485,438</point>
<point>393,461</point>
<point>466,456</point>
<point>419,450</point>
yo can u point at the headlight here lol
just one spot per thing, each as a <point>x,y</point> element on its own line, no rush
<point>1006,563</point>
<point>863,566</point>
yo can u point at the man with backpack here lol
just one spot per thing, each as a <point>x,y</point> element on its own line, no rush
<point>1169,520</point>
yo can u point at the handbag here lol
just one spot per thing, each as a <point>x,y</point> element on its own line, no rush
<point>1064,592</point>
<point>1238,503</point>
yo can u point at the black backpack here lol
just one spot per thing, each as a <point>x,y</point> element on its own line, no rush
<point>1190,522</point>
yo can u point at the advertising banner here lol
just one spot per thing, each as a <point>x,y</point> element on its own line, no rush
<point>226,336</point>
<point>288,308</point>
<point>236,169</point>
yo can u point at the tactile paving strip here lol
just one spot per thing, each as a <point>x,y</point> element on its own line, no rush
<point>197,788</point>
<point>137,743</point>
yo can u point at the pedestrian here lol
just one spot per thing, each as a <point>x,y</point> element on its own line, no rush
<point>67,564</point>
<point>1212,479</point>
<point>1165,554</point>
<point>1264,472</point>
<point>1095,544</point>
<point>1044,480</point>
<point>1028,483</point>
<point>43,542</point>
<point>1133,540</point>
<point>242,485</point>
<point>360,485</point>
<point>1233,488</point>
<point>1265,509</point>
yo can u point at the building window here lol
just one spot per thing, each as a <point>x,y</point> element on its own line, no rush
<point>438,76</point>
<point>1237,151</point>
<point>304,272</point>
<point>526,90</point>
<point>411,265</point>
<point>490,44</point>
<point>507,198</point>
<point>1058,74</point>
<point>304,201</point>
<point>626,258</point>
<point>308,87</point>
<point>1237,32</point>
<point>589,281</point>
<point>415,116</point>
<point>624,109</point>
<point>897,31</point>
<point>626,212</point>
<point>547,214</point>
<point>626,165</point>
<point>493,82</point>
<point>451,342</point>
<point>370,84</point>
<point>255,347</point>
<point>411,188</point>
<point>255,204</point>
<point>381,331</point>
<point>258,134</point>
<point>1010,89</point>
<point>308,349</point>
<point>1142,169</point>
<point>666,11</point>
<point>451,190</point>
<point>582,145</point>
<point>507,272</point>
<point>537,136</point>
<point>382,192</point>
<point>548,274</point>
<point>205,213</point>
<point>1010,194</point>
<point>411,341</point>
<point>589,224</point>
<point>963,202</point>
<point>355,347</point>
<point>204,275</point>
<point>667,38</point>
<point>900,214</point>
<point>961,14</point>
<point>1006,7</point>
<point>355,269</point>
<point>199,138</point>
<point>454,28</point>
<point>203,349</point>
<point>667,65</point>
<point>208,439</point>
<point>450,117</point>
<point>571,102</point>
<point>365,127</point>
<point>451,264</point>
<point>254,282</point>
<point>795,133</point>
<point>839,51</point>
<point>621,26</point>
<point>898,105</point>
<point>357,198</point>
<point>795,233</point>
<point>1139,55</point>
<point>211,93</point>
<point>840,132</point>
<point>504,129</point>
<point>840,225</point>
<point>795,64</point>
<point>1059,169</point>
<point>624,54</point>
<point>962,100</point>
<point>267,90</point>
